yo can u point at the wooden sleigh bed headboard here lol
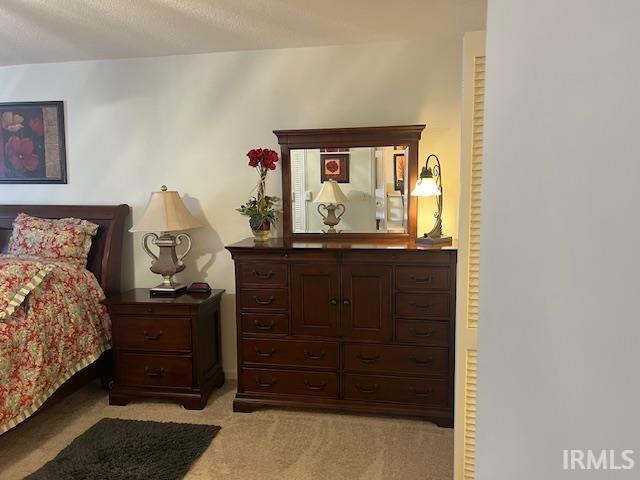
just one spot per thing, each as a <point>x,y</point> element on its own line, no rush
<point>105,256</point>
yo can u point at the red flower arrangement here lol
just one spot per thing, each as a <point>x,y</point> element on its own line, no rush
<point>262,209</point>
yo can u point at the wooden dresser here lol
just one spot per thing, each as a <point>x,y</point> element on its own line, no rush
<point>367,327</point>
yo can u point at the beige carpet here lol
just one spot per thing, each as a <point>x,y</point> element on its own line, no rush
<point>264,445</point>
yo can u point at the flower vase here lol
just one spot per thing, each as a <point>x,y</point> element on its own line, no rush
<point>262,233</point>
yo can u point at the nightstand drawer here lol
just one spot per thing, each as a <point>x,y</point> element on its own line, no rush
<point>149,309</point>
<point>154,370</point>
<point>146,333</point>
<point>256,299</point>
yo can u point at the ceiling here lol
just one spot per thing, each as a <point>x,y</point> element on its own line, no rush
<point>35,31</point>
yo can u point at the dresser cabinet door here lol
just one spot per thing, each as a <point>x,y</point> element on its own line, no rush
<point>315,297</point>
<point>366,302</point>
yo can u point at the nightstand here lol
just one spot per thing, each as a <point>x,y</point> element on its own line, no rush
<point>166,347</point>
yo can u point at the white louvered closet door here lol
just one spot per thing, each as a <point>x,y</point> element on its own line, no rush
<point>469,254</point>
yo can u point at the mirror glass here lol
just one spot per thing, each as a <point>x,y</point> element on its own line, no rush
<point>350,190</point>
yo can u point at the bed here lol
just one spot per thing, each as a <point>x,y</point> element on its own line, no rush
<point>54,340</point>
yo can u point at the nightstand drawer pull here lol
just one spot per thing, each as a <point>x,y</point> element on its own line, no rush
<point>152,337</point>
<point>268,326</point>
<point>314,356</point>
<point>423,306</point>
<point>263,275</point>
<point>368,360</point>
<point>367,389</point>
<point>311,386</point>
<point>259,301</point>
<point>419,393</point>
<point>418,361</point>
<point>264,354</point>
<point>418,333</point>
<point>150,373</point>
<point>266,384</point>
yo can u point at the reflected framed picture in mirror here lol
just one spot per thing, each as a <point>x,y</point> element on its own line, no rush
<point>399,171</point>
<point>334,166</point>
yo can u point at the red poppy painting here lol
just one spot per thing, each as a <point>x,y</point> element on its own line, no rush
<point>32,143</point>
<point>334,167</point>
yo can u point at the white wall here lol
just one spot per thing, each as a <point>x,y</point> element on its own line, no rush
<point>559,330</point>
<point>187,122</point>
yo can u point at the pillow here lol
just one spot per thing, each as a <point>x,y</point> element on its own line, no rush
<point>65,239</point>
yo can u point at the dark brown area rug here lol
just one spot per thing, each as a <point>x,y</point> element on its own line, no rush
<point>117,449</point>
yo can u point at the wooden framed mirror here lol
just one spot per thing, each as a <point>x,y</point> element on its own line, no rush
<point>350,183</point>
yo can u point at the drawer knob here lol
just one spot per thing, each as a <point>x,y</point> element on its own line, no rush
<point>421,393</point>
<point>265,384</point>
<point>333,301</point>
<point>419,361</point>
<point>263,275</point>
<point>422,306</point>
<point>314,356</point>
<point>153,373</point>
<point>259,301</point>
<point>368,360</point>
<point>149,310</point>
<point>260,353</point>
<point>268,326</point>
<point>346,302</point>
<point>311,386</point>
<point>367,388</point>
<point>418,333</point>
<point>426,279</point>
<point>146,335</point>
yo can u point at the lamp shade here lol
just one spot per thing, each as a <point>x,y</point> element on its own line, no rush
<point>331,193</point>
<point>426,187</point>
<point>166,212</point>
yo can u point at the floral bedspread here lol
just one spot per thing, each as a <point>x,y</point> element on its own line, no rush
<point>47,335</point>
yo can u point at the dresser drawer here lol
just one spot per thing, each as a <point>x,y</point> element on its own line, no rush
<point>256,299</point>
<point>149,309</point>
<point>375,388</point>
<point>317,384</point>
<point>423,304</point>
<point>423,278</point>
<point>146,333</point>
<point>396,359</point>
<point>423,332</point>
<point>290,353</point>
<point>154,370</point>
<point>265,323</point>
<point>262,274</point>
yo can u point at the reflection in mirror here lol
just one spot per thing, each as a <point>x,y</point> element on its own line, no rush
<point>369,194</point>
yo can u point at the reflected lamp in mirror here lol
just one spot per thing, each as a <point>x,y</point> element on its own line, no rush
<point>166,213</point>
<point>331,199</point>
<point>430,185</point>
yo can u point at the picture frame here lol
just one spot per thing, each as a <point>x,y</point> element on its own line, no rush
<point>399,171</point>
<point>334,166</point>
<point>32,143</point>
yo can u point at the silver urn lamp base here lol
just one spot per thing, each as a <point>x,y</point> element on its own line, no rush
<point>167,263</point>
<point>329,218</point>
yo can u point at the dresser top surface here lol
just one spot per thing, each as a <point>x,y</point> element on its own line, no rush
<point>280,244</point>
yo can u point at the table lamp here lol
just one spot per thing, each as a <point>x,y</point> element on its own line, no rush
<point>331,199</point>
<point>430,185</point>
<point>166,213</point>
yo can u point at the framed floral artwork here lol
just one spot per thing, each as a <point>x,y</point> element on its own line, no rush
<point>32,139</point>
<point>334,166</point>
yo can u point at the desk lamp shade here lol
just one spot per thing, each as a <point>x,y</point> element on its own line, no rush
<point>331,198</point>
<point>166,213</point>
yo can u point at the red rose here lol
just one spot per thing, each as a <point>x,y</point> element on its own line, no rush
<point>36,125</point>
<point>20,153</point>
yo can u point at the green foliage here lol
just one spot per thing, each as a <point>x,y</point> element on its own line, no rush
<point>260,210</point>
